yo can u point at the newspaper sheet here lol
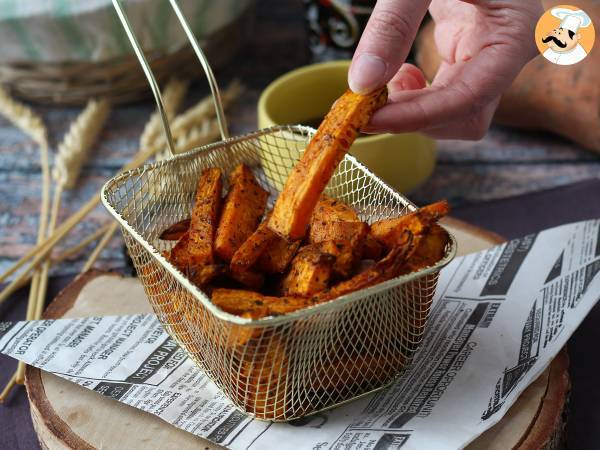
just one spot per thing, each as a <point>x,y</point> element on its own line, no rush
<point>498,319</point>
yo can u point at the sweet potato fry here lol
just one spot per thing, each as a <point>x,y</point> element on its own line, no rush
<point>388,231</point>
<point>372,249</point>
<point>327,231</point>
<point>278,255</point>
<point>240,302</point>
<point>430,250</point>
<point>175,231</point>
<point>203,275</point>
<point>249,252</point>
<point>344,240</point>
<point>244,206</point>
<point>386,269</point>
<point>255,305</point>
<point>197,248</point>
<point>329,209</point>
<point>306,182</point>
<point>249,278</point>
<point>345,256</point>
<point>310,272</point>
<point>337,374</point>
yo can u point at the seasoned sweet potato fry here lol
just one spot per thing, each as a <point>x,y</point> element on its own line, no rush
<point>249,278</point>
<point>345,256</point>
<point>310,272</point>
<point>385,269</point>
<point>257,305</point>
<point>326,231</point>
<point>330,209</point>
<point>240,302</point>
<point>430,250</point>
<point>372,249</point>
<point>278,255</point>
<point>202,275</point>
<point>344,240</point>
<point>305,184</point>
<point>198,248</point>
<point>388,231</point>
<point>243,208</point>
<point>249,252</point>
<point>175,231</point>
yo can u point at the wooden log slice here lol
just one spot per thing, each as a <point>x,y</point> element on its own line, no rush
<point>68,416</point>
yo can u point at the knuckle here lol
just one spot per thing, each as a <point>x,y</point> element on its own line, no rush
<point>391,25</point>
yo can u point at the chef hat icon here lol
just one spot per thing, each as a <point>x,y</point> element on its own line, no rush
<point>571,20</point>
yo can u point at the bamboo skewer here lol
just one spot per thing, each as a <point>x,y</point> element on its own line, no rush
<point>108,234</point>
<point>9,387</point>
<point>73,220</point>
<point>71,251</point>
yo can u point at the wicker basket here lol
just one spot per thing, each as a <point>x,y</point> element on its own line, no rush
<point>121,80</point>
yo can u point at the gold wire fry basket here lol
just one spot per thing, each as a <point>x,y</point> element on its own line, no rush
<point>285,367</point>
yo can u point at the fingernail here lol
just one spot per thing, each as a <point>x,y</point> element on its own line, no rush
<point>367,73</point>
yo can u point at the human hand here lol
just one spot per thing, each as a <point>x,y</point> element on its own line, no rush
<point>483,45</point>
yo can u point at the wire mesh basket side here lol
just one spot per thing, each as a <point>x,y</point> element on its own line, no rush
<point>287,371</point>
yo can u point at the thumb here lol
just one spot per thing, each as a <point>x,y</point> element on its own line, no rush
<point>385,43</point>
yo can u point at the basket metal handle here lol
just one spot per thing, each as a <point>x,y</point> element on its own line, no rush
<point>139,53</point>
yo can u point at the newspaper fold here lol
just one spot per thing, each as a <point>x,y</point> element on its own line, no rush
<point>498,319</point>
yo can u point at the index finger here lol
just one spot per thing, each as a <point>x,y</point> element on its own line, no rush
<point>385,43</point>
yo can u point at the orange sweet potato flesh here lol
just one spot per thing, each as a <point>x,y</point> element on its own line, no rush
<point>251,250</point>
<point>244,207</point>
<point>306,182</point>
<point>197,249</point>
<point>240,302</point>
<point>310,272</point>
<point>326,231</point>
<point>388,231</point>
<point>329,209</point>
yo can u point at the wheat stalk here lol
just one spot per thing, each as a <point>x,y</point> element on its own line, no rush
<point>24,118</point>
<point>172,96</point>
<point>32,124</point>
<point>74,150</point>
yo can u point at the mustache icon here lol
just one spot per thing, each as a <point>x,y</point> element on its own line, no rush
<point>558,42</point>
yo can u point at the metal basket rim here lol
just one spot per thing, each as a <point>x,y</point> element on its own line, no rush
<point>199,295</point>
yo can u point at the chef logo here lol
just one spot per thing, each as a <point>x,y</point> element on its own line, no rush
<point>565,35</point>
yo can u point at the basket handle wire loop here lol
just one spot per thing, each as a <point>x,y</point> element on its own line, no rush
<point>139,53</point>
<point>212,81</point>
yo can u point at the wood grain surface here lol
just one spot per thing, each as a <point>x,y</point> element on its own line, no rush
<point>67,416</point>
